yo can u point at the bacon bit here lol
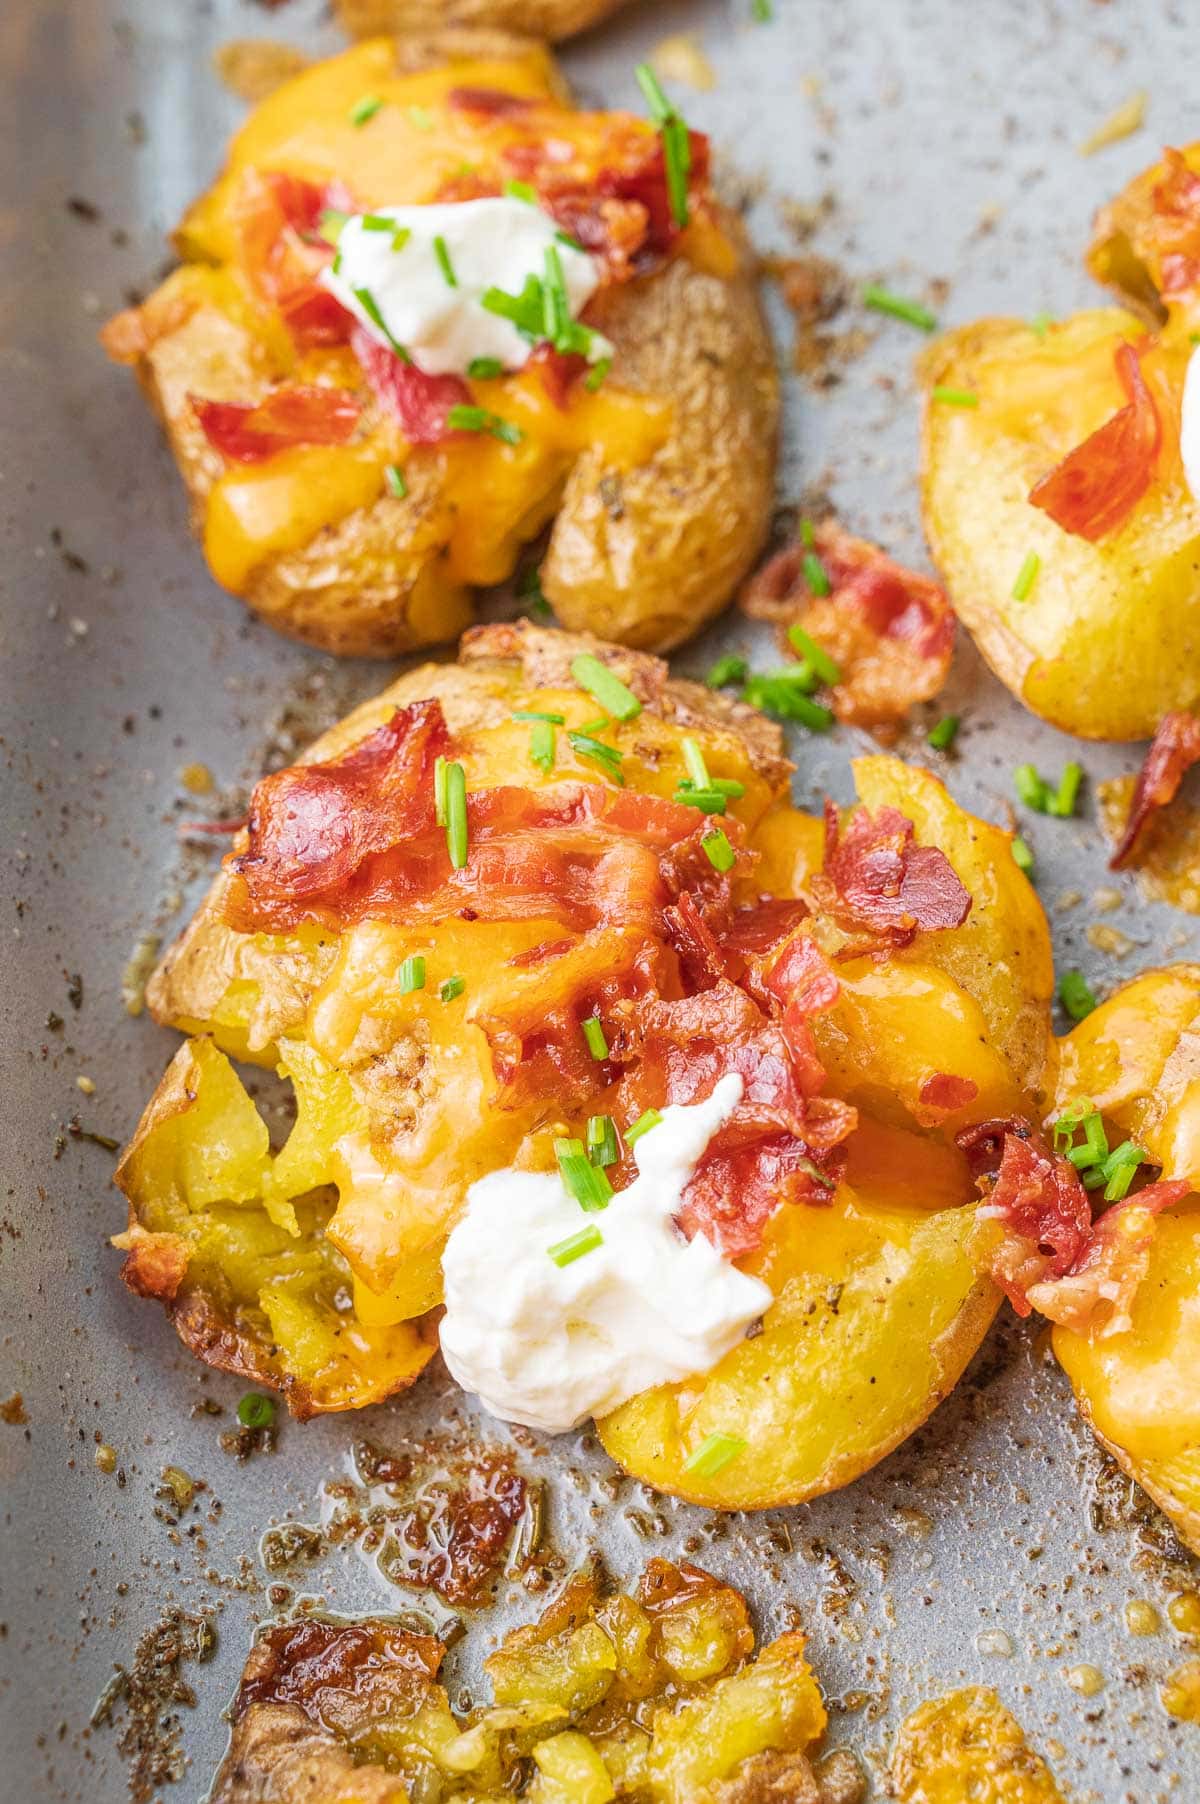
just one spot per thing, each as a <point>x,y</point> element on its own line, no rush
<point>758,928</point>
<point>877,879</point>
<point>292,414</point>
<point>1095,1296</point>
<point>489,103</point>
<point>889,630</point>
<point>1037,1197</point>
<point>314,317</point>
<point>943,1093</point>
<point>559,371</point>
<point>1095,487</point>
<point>302,1663</point>
<point>277,219</point>
<point>420,402</point>
<point>1173,750</point>
<point>1173,231</point>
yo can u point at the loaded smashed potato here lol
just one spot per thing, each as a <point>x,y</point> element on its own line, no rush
<point>549,19</point>
<point>1062,464</point>
<point>483,929</point>
<point>430,309</point>
<point>658,1697</point>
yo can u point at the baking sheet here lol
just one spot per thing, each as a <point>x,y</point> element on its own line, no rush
<point>947,136</point>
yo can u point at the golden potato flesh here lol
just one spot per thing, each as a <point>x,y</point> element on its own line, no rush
<point>370,540</point>
<point>1107,639</point>
<point>657,1696</point>
<point>966,1745</point>
<point>552,20</point>
<point>1137,1059</point>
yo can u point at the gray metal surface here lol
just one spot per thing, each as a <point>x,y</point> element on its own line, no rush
<point>947,134</point>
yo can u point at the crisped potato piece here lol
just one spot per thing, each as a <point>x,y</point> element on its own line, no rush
<point>1104,643</point>
<point>349,509</point>
<point>351,1711</point>
<point>1128,243</point>
<point>967,1745</point>
<point>552,20</point>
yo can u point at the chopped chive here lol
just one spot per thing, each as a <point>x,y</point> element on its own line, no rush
<point>782,694</point>
<point>541,745</point>
<point>719,852</point>
<point>375,222</point>
<point>1062,803</point>
<point>605,687</point>
<point>370,307</point>
<point>329,226</point>
<point>566,1252</point>
<point>556,720</point>
<point>954,397</point>
<point>483,369</point>
<point>572,244</point>
<point>1041,323</point>
<point>587,1183</point>
<point>1026,576</point>
<point>595,376</point>
<point>708,801</point>
<point>412,974</point>
<point>761,12</point>
<point>600,725</point>
<point>593,1033</point>
<point>1033,790</point>
<point>521,191</point>
<point>439,792</point>
<point>456,815</point>
<point>444,264</point>
<point>693,757</point>
<point>525,310</point>
<point>1117,1186</point>
<point>451,988</point>
<point>602,1148</point>
<point>594,751</point>
<point>462,418</point>
<point>1076,995</point>
<point>1022,855</point>
<point>393,475</point>
<point>556,307</point>
<point>1094,1136</point>
<point>365,109</point>
<point>815,574</point>
<point>912,312</point>
<point>808,534</point>
<point>676,143</point>
<point>1120,1169</point>
<point>256,1411</point>
<point>660,107</point>
<point>714,1453</point>
<point>421,117</point>
<point>942,736</point>
<point>650,1118</point>
<point>726,672</point>
<point>814,655</point>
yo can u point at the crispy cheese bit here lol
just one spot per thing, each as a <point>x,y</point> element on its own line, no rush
<point>463,417</point>
<point>456,815</point>
<point>594,751</point>
<point>650,1118</point>
<point>587,1183</point>
<point>452,988</point>
<point>593,1033</point>
<point>816,576</point>
<point>485,369</point>
<point>1026,577</point>
<point>614,696</point>
<point>726,673</point>
<point>442,254</point>
<point>882,300</point>
<point>541,745</point>
<point>365,109</point>
<point>954,397</point>
<point>256,1411</point>
<point>719,852</point>
<point>602,1148</point>
<point>566,1252</point>
<point>1076,995</point>
<point>814,655</point>
<point>393,475</point>
<point>942,737</point>
<point>1022,856</point>
<point>715,1452</point>
<point>411,975</point>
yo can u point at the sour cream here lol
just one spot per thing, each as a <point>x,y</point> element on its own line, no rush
<point>1189,425</point>
<point>481,244</point>
<point>550,1345</point>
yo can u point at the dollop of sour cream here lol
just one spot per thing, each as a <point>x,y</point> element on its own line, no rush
<point>416,277</point>
<point>1189,425</point>
<point>549,1345</point>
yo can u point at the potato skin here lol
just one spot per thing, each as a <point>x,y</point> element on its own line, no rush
<point>552,20</point>
<point>1108,640</point>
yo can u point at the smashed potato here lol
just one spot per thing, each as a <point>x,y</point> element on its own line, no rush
<point>552,20</point>
<point>967,1745</point>
<point>656,1697</point>
<point>354,499</point>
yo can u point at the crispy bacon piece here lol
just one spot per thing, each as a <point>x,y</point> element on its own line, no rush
<point>877,880</point>
<point>489,103</point>
<point>1173,750</point>
<point>559,371</point>
<point>277,220</point>
<point>1172,233</point>
<point>1037,1197</point>
<point>1097,485</point>
<point>1095,1295</point>
<point>304,1662</point>
<point>292,414</point>
<point>420,402</point>
<point>943,1093</point>
<point>889,630</point>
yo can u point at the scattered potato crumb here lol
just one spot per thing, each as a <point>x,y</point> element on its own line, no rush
<point>13,1411</point>
<point>105,1457</point>
<point>1068,898</point>
<point>1086,1680</point>
<point>1128,118</point>
<point>681,59</point>
<point>197,779</point>
<point>1109,939</point>
<point>86,1084</point>
<point>137,972</point>
<point>1105,900</point>
<point>252,68</point>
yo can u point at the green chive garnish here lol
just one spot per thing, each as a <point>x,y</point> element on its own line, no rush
<point>374,222</point>
<point>719,852</point>
<point>954,397</point>
<point>521,191</point>
<point>1022,856</point>
<point>451,988</point>
<point>444,264</point>
<point>541,745</point>
<point>594,751</point>
<point>1120,1169</point>
<point>1041,323</point>
<point>605,687</point>
<point>462,418</point>
<point>595,376</point>
<point>255,1410</point>
<point>393,475</point>
<point>814,655</point>
<point>713,1455</point>
<point>783,695</point>
<point>587,1183</point>
<point>556,720</point>
<point>693,757</point>
<point>942,737</point>
<point>456,815</point>
<point>650,1118</point>
<point>761,12</point>
<point>602,1148</point>
<point>1064,800</point>
<point>1076,995</point>
<point>330,224</point>
<point>370,307</point>
<point>365,109</point>
<point>439,791</point>
<point>1026,576</point>
<point>566,1252</point>
<point>1033,790</point>
<point>726,672</point>
<point>525,310</point>
<point>808,534</point>
<point>484,369</point>
<point>1036,793</point>
<point>912,312</point>
<point>412,974</point>
<point>593,1033</point>
<point>815,575</point>
<point>676,144</point>
<point>708,801</point>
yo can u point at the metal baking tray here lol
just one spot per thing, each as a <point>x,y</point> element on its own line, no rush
<point>946,140</point>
